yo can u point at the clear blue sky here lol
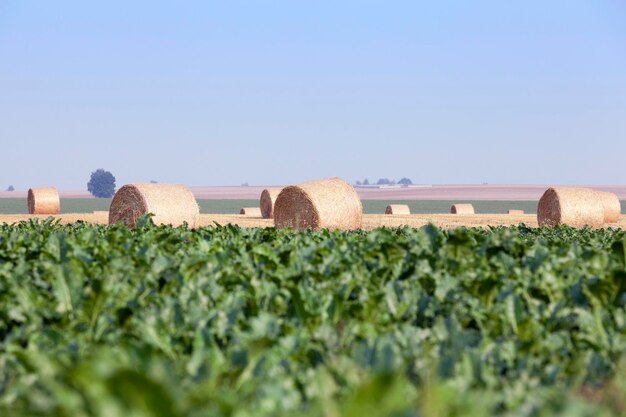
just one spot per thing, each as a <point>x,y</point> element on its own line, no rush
<point>274,92</point>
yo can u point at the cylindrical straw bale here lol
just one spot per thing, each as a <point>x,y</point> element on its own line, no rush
<point>515,212</point>
<point>462,209</point>
<point>320,204</point>
<point>576,207</point>
<point>250,211</point>
<point>172,204</point>
<point>612,206</point>
<point>397,209</point>
<point>43,201</point>
<point>267,202</point>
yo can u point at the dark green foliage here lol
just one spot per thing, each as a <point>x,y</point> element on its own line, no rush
<point>223,321</point>
<point>101,184</point>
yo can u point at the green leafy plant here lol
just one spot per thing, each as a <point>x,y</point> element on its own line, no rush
<point>224,321</point>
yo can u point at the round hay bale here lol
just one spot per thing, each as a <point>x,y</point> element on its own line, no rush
<point>612,206</point>
<point>267,202</point>
<point>462,209</point>
<point>172,204</point>
<point>397,209</point>
<point>43,201</point>
<point>576,207</point>
<point>320,204</point>
<point>515,212</point>
<point>250,211</point>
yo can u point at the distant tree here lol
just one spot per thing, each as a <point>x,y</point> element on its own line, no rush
<point>101,184</point>
<point>366,182</point>
<point>245,184</point>
<point>383,181</point>
<point>405,181</point>
<point>153,182</point>
<point>11,188</point>
<point>358,182</point>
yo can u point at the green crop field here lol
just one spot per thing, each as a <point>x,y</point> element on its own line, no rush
<point>224,321</point>
<point>87,205</point>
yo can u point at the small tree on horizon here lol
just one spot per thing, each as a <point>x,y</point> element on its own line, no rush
<point>366,182</point>
<point>11,188</point>
<point>101,184</point>
<point>405,181</point>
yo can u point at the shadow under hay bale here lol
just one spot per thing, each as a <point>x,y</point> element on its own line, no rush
<point>320,204</point>
<point>43,200</point>
<point>171,204</point>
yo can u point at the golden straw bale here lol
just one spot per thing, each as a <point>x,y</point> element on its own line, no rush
<point>516,212</point>
<point>267,202</point>
<point>397,209</point>
<point>43,201</point>
<point>462,209</point>
<point>251,211</point>
<point>169,203</point>
<point>320,204</point>
<point>612,206</point>
<point>576,207</point>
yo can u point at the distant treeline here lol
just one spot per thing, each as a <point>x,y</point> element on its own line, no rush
<point>385,181</point>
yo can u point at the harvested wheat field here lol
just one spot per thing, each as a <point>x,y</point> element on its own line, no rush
<point>68,218</point>
<point>370,221</point>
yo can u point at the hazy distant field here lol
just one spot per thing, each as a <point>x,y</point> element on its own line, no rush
<point>87,205</point>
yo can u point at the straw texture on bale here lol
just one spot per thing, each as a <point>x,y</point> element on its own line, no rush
<point>171,204</point>
<point>43,201</point>
<point>267,202</point>
<point>462,209</point>
<point>251,211</point>
<point>320,204</point>
<point>514,211</point>
<point>612,206</point>
<point>576,207</point>
<point>397,209</point>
